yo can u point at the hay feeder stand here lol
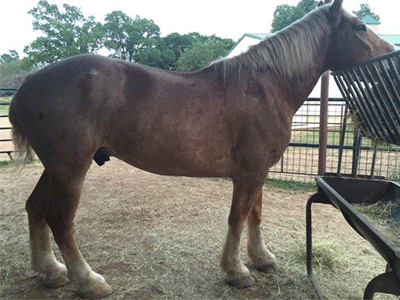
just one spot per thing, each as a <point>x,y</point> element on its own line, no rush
<point>372,94</point>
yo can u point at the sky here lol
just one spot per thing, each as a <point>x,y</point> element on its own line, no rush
<point>226,19</point>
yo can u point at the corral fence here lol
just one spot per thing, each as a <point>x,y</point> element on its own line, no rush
<point>347,152</point>
<point>6,147</point>
<point>300,162</point>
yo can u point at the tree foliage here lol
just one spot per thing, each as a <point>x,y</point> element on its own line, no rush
<point>131,39</point>
<point>11,56</point>
<point>12,69</point>
<point>203,53</point>
<point>66,32</point>
<point>364,11</point>
<point>177,44</point>
<point>285,14</point>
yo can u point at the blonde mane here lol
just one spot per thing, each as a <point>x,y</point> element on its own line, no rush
<point>289,52</point>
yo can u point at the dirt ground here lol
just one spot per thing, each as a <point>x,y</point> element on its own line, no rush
<point>159,237</point>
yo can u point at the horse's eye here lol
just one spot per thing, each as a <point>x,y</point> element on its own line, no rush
<point>360,28</point>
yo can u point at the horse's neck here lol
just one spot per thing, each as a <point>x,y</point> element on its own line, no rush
<point>293,58</point>
<point>299,83</point>
<point>301,89</point>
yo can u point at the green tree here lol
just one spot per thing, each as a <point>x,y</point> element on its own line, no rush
<point>132,39</point>
<point>12,69</point>
<point>201,54</point>
<point>364,11</point>
<point>179,43</point>
<point>12,55</point>
<point>175,44</point>
<point>64,33</point>
<point>161,57</point>
<point>68,32</point>
<point>285,14</point>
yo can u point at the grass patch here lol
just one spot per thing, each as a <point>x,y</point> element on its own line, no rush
<point>4,105</point>
<point>333,136</point>
<point>288,185</point>
<point>312,136</point>
<point>394,174</point>
<point>291,185</point>
<point>17,162</point>
<point>6,163</point>
<point>5,99</point>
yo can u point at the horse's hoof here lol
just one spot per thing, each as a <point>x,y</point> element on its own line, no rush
<point>55,282</point>
<point>56,278</point>
<point>241,282</point>
<point>96,288</point>
<point>100,292</point>
<point>267,268</point>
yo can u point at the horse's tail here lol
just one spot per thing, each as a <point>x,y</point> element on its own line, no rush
<point>20,140</point>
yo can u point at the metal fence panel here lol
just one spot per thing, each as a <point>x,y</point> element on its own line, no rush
<point>300,160</point>
<point>6,146</point>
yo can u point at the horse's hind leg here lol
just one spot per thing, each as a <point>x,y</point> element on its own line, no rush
<point>263,260</point>
<point>43,259</point>
<point>65,193</point>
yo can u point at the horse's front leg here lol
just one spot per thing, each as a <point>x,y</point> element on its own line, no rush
<point>263,260</point>
<point>245,193</point>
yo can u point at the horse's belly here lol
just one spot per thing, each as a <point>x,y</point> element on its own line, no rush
<point>195,159</point>
<point>170,166</point>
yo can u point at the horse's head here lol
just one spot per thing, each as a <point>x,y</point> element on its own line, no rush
<point>351,41</point>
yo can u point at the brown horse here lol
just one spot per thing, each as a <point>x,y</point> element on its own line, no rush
<point>231,119</point>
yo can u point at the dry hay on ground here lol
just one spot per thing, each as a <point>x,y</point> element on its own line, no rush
<point>158,237</point>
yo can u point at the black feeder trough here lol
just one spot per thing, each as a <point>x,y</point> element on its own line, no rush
<point>372,94</point>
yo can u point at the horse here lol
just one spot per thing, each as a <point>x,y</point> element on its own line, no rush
<point>230,119</point>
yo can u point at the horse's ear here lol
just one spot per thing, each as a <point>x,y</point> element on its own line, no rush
<point>335,8</point>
